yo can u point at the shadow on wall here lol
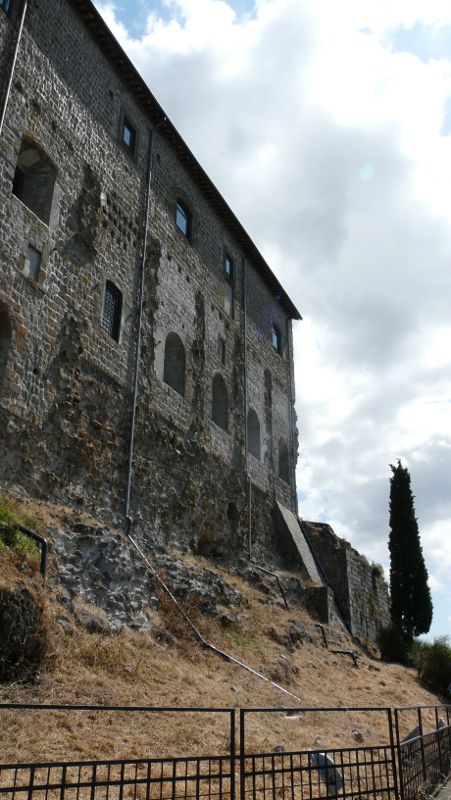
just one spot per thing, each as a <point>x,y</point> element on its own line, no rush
<point>5,342</point>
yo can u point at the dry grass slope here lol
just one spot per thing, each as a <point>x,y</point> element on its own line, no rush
<point>133,668</point>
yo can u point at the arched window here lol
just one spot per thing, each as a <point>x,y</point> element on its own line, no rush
<point>220,406</point>
<point>174,363</point>
<point>284,463</point>
<point>34,180</point>
<point>183,218</point>
<point>5,341</point>
<point>253,434</point>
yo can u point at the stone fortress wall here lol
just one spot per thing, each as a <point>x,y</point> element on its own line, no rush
<point>80,132</point>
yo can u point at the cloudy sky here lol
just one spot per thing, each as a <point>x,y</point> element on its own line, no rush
<point>327,128</point>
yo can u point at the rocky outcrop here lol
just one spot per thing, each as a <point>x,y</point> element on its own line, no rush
<point>101,568</point>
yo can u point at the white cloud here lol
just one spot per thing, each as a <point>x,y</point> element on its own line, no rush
<point>327,144</point>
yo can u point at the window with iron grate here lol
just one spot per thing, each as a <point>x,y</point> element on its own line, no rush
<point>112,311</point>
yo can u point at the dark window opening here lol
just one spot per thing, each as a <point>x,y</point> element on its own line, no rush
<point>32,263</point>
<point>5,342</point>
<point>6,5</point>
<point>253,434</point>
<point>220,406</point>
<point>128,135</point>
<point>221,350</point>
<point>276,339</point>
<point>284,463</point>
<point>34,180</point>
<point>112,311</point>
<point>174,363</point>
<point>229,271</point>
<point>183,219</point>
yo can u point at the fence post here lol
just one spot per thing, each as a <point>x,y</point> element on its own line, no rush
<point>232,753</point>
<point>393,754</point>
<point>241,758</point>
<point>420,726</point>
<point>439,743</point>
<point>400,763</point>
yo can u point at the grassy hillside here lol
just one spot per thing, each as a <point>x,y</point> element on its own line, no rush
<point>168,667</point>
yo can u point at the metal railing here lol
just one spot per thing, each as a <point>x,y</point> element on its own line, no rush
<point>35,537</point>
<point>400,769</point>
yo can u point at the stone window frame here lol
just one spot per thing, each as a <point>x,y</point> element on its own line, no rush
<point>40,244</point>
<point>250,413</point>
<point>127,120</point>
<point>219,378</point>
<point>18,191</point>
<point>181,394</point>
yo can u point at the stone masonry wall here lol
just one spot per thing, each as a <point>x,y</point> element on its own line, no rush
<point>359,587</point>
<point>66,392</point>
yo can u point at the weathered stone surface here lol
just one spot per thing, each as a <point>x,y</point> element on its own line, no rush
<point>109,585</point>
<point>23,637</point>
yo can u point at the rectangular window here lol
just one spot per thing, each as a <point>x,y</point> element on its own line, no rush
<point>221,349</point>
<point>128,135</point>
<point>6,5</point>
<point>112,311</point>
<point>32,263</point>
<point>228,284</point>
<point>276,339</point>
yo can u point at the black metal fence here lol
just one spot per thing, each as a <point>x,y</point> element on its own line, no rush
<point>406,767</point>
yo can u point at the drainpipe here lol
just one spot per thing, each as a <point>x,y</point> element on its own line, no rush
<point>139,327</point>
<point>290,412</point>
<point>12,65</point>
<point>246,449</point>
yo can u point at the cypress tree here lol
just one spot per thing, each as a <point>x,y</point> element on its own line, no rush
<point>411,605</point>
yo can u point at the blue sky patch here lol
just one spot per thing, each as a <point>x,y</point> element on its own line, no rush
<point>422,41</point>
<point>133,13</point>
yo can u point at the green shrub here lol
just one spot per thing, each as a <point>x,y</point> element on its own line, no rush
<point>393,645</point>
<point>433,663</point>
<point>11,538</point>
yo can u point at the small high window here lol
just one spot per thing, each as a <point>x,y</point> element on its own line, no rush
<point>253,434</point>
<point>183,219</point>
<point>229,275</point>
<point>112,311</point>
<point>221,350</point>
<point>34,180</point>
<point>220,405</point>
<point>174,363</point>
<point>284,463</point>
<point>5,341</point>
<point>32,263</point>
<point>128,135</point>
<point>276,338</point>
<point>6,5</point>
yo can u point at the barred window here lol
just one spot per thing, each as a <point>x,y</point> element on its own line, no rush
<point>112,311</point>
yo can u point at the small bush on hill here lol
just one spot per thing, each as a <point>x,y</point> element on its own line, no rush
<point>11,538</point>
<point>393,645</point>
<point>433,663</point>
